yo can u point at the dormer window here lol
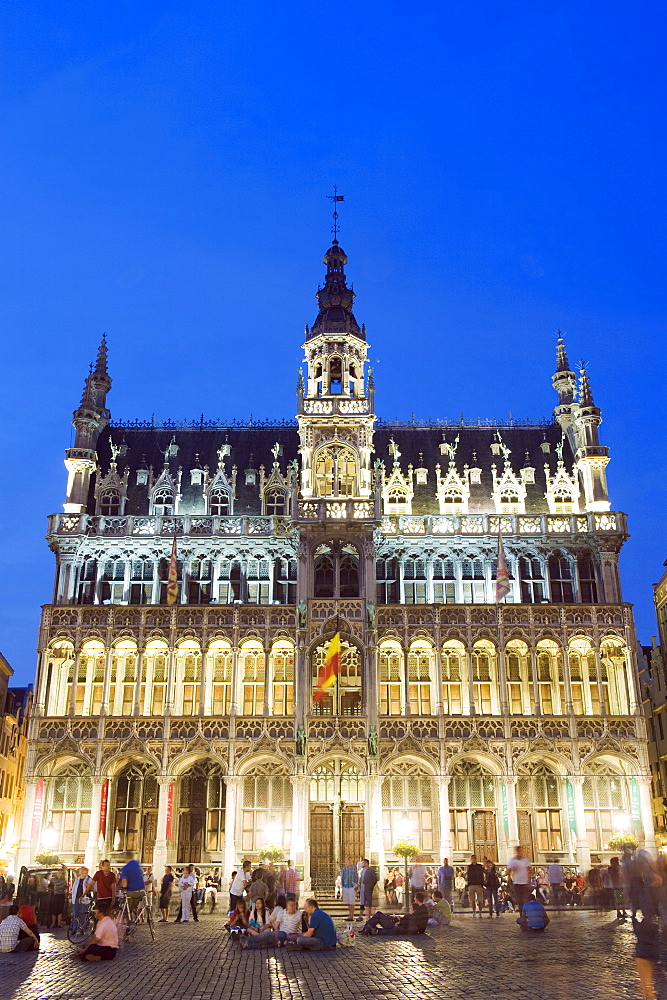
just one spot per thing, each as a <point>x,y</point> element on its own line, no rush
<point>163,501</point>
<point>495,448</point>
<point>196,477</point>
<point>475,477</point>
<point>275,503</point>
<point>219,502</point>
<point>453,502</point>
<point>509,503</point>
<point>142,477</point>
<point>564,503</point>
<point>397,502</point>
<point>110,502</point>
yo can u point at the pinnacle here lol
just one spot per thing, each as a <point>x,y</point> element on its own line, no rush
<point>562,364</point>
<point>102,353</point>
<point>585,394</point>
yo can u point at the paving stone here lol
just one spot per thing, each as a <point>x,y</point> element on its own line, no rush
<point>582,956</point>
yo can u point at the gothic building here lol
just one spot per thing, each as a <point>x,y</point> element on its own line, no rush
<point>188,732</point>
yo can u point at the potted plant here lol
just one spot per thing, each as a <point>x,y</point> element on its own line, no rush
<point>47,859</point>
<point>272,853</point>
<point>623,841</point>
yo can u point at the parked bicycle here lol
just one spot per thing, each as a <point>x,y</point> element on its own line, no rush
<point>81,926</point>
<point>142,913</point>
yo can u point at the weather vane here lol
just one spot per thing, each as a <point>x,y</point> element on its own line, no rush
<point>335,198</point>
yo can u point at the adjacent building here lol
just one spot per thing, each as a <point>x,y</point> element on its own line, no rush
<point>189,732</point>
<point>14,709</point>
<point>653,687</point>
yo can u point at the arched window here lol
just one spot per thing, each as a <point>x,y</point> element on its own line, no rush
<point>473,812</point>
<point>550,680</point>
<point>509,502</point>
<point>336,570</point>
<point>344,697</point>
<point>454,696</point>
<point>588,593</point>
<point>616,680</point>
<point>282,672</point>
<point>335,472</point>
<point>409,805</point>
<point>135,813</point>
<point>391,674</point>
<point>533,584</point>
<point>123,677</point>
<point>538,809</point>
<point>518,677</point>
<point>110,502</point>
<point>252,666</point>
<point>605,795</point>
<point>56,684</point>
<point>563,500</point>
<point>275,503</point>
<point>420,669</point>
<point>188,678</point>
<point>397,501</point>
<point>266,816</point>
<point>219,670</point>
<point>218,501</point>
<point>560,579</point>
<point>484,676</point>
<point>201,821</point>
<point>156,659</point>
<point>452,501</point>
<point>583,677</point>
<point>69,808</point>
<point>163,501</point>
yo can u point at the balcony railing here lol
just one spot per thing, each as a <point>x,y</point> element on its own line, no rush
<point>191,525</point>
<point>612,522</point>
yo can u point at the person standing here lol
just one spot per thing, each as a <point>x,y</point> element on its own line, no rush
<point>616,880</point>
<point>79,889</point>
<point>518,868</point>
<point>647,953</point>
<point>291,882</point>
<point>150,885</point>
<point>239,884</point>
<point>103,883</point>
<point>58,889</point>
<point>475,884</point>
<point>186,884</point>
<point>491,886</point>
<point>555,878</point>
<point>349,880</point>
<point>165,893</point>
<point>212,887</point>
<point>445,877</point>
<point>417,876</point>
<point>368,878</point>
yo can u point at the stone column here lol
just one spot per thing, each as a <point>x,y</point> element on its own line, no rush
<point>231,852</point>
<point>405,707</point>
<point>161,846</point>
<point>106,686</point>
<point>268,693</point>
<point>583,858</point>
<point>598,675</point>
<point>502,676</point>
<point>137,684</point>
<point>439,705</point>
<point>647,813</point>
<point>204,683</point>
<point>536,706</point>
<point>444,824</point>
<point>75,681</point>
<point>91,856</point>
<point>234,706</point>
<point>169,695</point>
<point>373,784</point>
<point>512,822</point>
<point>471,683</point>
<point>299,851</point>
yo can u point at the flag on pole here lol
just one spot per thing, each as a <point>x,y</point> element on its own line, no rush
<point>339,197</point>
<point>502,574</point>
<point>329,670</point>
<point>172,579</point>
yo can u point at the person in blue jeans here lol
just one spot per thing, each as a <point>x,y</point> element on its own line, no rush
<point>413,922</point>
<point>321,933</point>
<point>445,876</point>
<point>131,881</point>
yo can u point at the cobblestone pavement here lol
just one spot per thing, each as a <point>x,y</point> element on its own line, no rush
<point>582,956</point>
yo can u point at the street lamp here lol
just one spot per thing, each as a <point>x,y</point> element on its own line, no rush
<point>404,829</point>
<point>50,837</point>
<point>621,822</point>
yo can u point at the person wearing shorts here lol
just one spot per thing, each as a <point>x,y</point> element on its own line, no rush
<point>349,880</point>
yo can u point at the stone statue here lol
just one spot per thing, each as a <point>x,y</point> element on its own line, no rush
<point>373,742</point>
<point>302,612</point>
<point>370,613</point>
<point>275,451</point>
<point>559,450</point>
<point>115,450</point>
<point>301,742</point>
<point>393,450</point>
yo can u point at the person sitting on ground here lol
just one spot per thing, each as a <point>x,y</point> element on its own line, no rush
<point>321,933</point>
<point>440,912</point>
<point>287,923</point>
<point>10,929</point>
<point>260,918</point>
<point>104,943</point>
<point>239,918</point>
<point>534,918</point>
<point>413,922</point>
<point>28,916</point>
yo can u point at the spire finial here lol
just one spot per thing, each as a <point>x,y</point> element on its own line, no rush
<point>101,361</point>
<point>562,364</point>
<point>585,394</point>
<point>335,198</point>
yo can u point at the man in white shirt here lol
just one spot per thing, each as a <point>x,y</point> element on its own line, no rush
<point>79,889</point>
<point>9,933</point>
<point>238,886</point>
<point>186,884</point>
<point>519,869</point>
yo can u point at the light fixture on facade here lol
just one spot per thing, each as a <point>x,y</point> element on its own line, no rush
<point>49,837</point>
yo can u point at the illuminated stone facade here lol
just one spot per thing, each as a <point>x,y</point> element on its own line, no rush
<point>189,732</point>
<point>14,710</point>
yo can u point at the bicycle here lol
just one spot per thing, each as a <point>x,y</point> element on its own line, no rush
<point>82,926</point>
<point>131,920</point>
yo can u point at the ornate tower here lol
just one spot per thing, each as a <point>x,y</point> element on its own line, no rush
<point>88,420</point>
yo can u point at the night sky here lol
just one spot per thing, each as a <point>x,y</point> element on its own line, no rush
<point>163,177</point>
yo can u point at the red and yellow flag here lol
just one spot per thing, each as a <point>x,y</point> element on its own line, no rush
<point>503,586</point>
<point>172,579</point>
<point>329,669</point>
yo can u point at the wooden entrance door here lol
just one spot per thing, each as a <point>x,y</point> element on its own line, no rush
<point>353,835</point>
<point>322,868</point>
<point>484,835</point>
<point>190,836</point>
<point>149,835</point>
<point>525,830</point>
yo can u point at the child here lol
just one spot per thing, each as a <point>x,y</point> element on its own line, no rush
<point>646,954</point>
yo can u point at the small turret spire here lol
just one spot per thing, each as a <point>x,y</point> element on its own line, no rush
<point>562,364</point>
<point>102,356</point>
<point>585,393</point>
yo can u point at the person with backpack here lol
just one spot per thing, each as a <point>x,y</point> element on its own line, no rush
<point>491,887</point>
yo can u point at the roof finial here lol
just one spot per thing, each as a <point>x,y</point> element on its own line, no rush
<point>101,361</point>
<point>585,394</point>
<point>562,364</point>
<point>335,198</point>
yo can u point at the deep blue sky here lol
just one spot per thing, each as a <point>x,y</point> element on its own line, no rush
<point>163,177</point>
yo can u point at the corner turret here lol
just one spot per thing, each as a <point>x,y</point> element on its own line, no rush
<point>88,420</point>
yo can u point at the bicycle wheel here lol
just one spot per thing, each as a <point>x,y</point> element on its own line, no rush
<point>80,929</point>
<point>149,921</point>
